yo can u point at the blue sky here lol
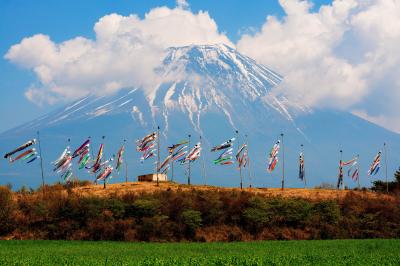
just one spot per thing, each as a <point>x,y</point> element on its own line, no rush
<point>65,19</point>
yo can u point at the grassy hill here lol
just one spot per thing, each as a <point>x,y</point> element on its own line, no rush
<point>150,187</point>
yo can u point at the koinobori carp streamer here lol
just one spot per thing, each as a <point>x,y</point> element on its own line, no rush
<point>225,158</point>
<point>63,165</point>
<point>146,145</point>
<point>20,148</point>
<point>120,158</point>
<point>273,157</point>
<point>375,165</point>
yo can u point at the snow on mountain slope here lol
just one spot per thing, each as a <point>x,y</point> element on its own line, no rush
<point>197,79</point>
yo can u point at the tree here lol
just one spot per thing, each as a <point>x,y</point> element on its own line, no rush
<point>397,176</point>
<point>393,185</point>
<point>192,220</point>
<point>6,210</point>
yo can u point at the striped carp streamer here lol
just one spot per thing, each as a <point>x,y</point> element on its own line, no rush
<point>193,155</point>
<point>172,148</point>
<point>352,163</point>
<point>354,171</point>
<point>179,153</point>
<point>273,157</point>
<point>376,165</point>
<point>105,174</point>
<point>84,159</point>
<point>176,152</point>
<point>148,154</point>
<point>301,166</point>
<point>120,160</point>
<point>97,163</point>
<point>165,164</point>
<point>146,146</point>
<point>225,157</point>
<point>83,152</point>
<point>242,156</point>
<point>27,156</point>
<point>63,165</point>
<point>20,148</point>
<point>227,144</point>
<point>82,149</point>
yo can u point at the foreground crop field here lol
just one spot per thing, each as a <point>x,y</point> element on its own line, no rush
<point>322,252</point>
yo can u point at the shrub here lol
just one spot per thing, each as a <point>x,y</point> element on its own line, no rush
<point>7,207</point>
<point>192,220</point>
<point>144,208</point>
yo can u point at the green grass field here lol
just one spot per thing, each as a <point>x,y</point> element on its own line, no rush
<point>329,252</point>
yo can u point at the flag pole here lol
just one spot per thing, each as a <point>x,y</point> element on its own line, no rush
<point>202,164</point>
<point>91,150</point>
<point>283,164</point>
<point>172,171</point>
<point>126,165</point>
<point>249,173</point>
<point>240,168</point>
<point>75,178</point>
<point>158,154</point>
<point>41,160</point>
<point>248,159</point>
<point>92,155</point>
<point>304,172</point>
<point>386,176</point>
<point>104,184</point>
<point>340,177</point>
<point>189,163</point>
<point>358,177</point>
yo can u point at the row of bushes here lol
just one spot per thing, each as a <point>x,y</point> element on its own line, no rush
<point>193,215</point>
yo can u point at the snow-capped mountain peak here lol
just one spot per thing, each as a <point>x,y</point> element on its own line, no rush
<point>194,80</point>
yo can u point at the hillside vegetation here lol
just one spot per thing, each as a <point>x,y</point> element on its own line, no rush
<point>144,212</point>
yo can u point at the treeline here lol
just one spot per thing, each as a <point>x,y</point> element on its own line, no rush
<point>390,186</point>
<point>193,215</point>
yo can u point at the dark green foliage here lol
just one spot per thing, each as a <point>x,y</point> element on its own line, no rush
<point>397,176</point>
<point>257,215</point>
<point>191,219</point>
<point>145,208</point>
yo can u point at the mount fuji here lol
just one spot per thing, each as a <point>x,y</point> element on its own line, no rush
<point>210,91</point>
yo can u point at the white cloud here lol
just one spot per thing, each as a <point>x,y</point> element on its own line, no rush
<point>392,122</point>
<point>183,4</point>
<point>124,54</point>
<point>345,55</point>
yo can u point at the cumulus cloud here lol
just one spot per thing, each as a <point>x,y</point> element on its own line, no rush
<point>124,53</point>
<point>344,55</point>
